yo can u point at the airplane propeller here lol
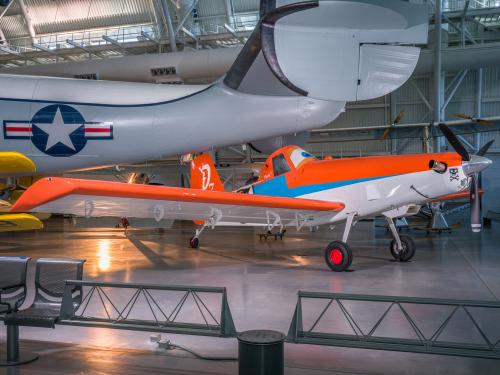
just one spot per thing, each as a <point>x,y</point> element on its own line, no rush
<point>474,119</point>
<point>473,165</point>
<point>397,120</point>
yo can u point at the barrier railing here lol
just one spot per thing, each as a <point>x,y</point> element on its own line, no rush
<point>421,325</point>
<point>158,308</point>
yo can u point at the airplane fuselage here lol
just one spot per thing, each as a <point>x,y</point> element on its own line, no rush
<point>64,124</point>
<point>370,186</point>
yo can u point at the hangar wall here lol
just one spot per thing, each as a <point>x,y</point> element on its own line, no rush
<point>383,110</point>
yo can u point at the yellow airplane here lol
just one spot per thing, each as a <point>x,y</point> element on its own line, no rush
<point>14,163</point>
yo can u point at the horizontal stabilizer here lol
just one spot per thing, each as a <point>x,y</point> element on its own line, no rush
<point>332,50</point>
<point>347,50</point>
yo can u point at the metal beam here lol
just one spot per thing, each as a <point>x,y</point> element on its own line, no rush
<point>186,16</point>
<point>4,11</point>
<point>27,18</point>
<point>170,27</point>
<point>438,68</point>
<point>149,37</point>
<point>82,47</point>
<point>454,89</point>
<point>11,51</point>
<point>478,104</point>
<point>478,12</point>
<point>190,34</point>
<point>459,30</point>
<point>229,12</point>
<point>421,95</point>
<point>114,42</point>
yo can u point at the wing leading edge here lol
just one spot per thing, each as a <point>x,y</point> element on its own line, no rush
<point>89,198</point>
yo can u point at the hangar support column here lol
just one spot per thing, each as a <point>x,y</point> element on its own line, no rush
<point>438,66</point>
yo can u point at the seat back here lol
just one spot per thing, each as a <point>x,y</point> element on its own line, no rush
<point>50,277</point>
<point>13,272</point>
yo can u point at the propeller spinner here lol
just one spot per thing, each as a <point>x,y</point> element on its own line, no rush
<point>473,165</point>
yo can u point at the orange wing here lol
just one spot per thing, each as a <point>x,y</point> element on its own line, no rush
<point>101,198</point>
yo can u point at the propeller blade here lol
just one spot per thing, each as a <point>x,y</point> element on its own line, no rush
<point>475,205</point>
<point>484,122</point>
<point>464,116</point>
<point>386,134</point>
<point>454,141</point>
<point>397,120</point>
<point>473,119</point>
<point>399,117</point>
<point>485,148</point>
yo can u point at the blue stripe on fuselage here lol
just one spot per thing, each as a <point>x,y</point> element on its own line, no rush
<point>277,187</point>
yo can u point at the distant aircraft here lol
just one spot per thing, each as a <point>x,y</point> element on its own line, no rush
<point>297,70</point>
<point>294,189</point>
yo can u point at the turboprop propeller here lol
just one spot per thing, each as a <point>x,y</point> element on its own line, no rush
<point>473,165</point>
<point>396,121</point>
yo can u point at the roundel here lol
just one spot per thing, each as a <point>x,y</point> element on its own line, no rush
<point>58,130</point>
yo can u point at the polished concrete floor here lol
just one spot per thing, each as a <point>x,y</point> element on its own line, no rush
<point>262,278</point>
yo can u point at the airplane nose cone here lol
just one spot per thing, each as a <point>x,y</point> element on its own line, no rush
<point>476,164</point>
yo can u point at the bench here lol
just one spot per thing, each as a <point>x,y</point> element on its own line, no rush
<point>50,277</point>
<point>12,283</point>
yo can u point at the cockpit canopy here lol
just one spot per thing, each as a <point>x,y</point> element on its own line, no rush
<point>285,160</point>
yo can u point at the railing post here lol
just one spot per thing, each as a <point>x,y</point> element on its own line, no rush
<point>226,324</point>
<point>296,324</point>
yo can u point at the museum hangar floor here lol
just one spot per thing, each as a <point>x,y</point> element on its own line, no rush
<point>262,279</point>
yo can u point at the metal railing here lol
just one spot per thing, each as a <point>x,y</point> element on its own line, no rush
<point>155,308</point>
<point>419,325</point>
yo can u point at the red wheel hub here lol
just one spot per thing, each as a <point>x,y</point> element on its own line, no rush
<point>336,256</point>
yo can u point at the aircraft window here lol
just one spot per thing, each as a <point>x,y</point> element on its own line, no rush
<point>280,165</point>
<point>299,156</point>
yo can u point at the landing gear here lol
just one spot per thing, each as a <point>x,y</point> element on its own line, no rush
<point>338,256</point>
<point>402,247</point>
<point>407,249</point>
<point>194,242</point>
<point>215,217</point>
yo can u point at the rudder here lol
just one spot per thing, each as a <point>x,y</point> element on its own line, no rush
<point>204,176</point>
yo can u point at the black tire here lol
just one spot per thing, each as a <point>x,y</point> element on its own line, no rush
<point>408,250</point>
<point>338,256</point>
<point>194,242</point>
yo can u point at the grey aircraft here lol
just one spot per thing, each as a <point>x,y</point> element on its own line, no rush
<point>297,70</point>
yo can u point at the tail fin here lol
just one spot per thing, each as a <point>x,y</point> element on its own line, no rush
<point>204,176</point>
<point>324,50</point>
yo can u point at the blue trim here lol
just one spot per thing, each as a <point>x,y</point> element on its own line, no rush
<point>106,105</point>
<point>277,187</point>
<point>5,136</point>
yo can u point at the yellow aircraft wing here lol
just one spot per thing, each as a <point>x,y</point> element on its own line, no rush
<point>12,163</point>
<point>17,222</point>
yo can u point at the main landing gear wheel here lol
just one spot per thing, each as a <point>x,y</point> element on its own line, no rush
<point>408,250</point>
<point>338,256</point>
<point>194,242</point>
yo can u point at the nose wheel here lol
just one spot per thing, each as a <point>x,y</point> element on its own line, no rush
<point>407,250</point>
<point>402,247</point>
<point>338,256</point>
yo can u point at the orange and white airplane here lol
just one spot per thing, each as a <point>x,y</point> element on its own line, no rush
<point>293,189</point>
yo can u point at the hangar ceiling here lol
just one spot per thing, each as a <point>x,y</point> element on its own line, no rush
<point>44,31</point>
<point>41,31</point>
